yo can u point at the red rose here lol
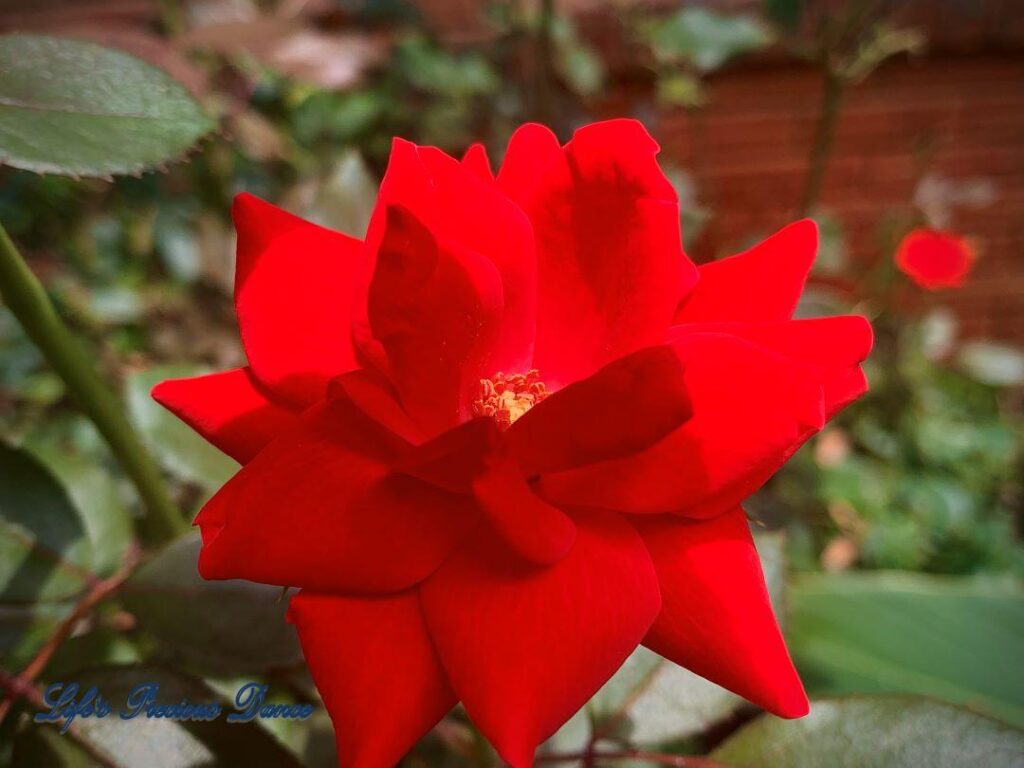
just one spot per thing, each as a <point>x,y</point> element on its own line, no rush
<point>934,259</point>
<point>507,539</point>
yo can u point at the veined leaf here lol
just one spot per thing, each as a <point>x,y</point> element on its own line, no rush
<point>79,109</point>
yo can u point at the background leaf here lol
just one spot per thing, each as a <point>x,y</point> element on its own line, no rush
<point>79,109</point>
<point>220,628</point>
<point>956,639</point>
<point>876,732</point>
<point>176,446</point>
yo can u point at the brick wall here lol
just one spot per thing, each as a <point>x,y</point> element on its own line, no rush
<point>959,116</point>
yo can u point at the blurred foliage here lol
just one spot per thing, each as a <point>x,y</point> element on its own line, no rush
<point>923,474</point>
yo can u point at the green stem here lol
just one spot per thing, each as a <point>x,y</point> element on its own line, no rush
<point>27,300</point>
<point>824,132</point>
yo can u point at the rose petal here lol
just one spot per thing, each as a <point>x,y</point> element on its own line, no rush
<point>476,160</point>
<point>376,670</point>
<point>751,409</point>
<point>525,647</point>
<point>319,508</point>
<point>762,283</point>
<point>716,618</point>
<point>228,409</point>
<point>623,408</point>
<point>435,308</point>
<point>834,346</point>
<point>611,264</point>
<point>294,297</point>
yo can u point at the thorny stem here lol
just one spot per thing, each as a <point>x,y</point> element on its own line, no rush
<point>28,302</point>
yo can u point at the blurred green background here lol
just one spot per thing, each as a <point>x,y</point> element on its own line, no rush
<point>891,541</point>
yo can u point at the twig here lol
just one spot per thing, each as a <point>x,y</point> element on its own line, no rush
<point>21,685</point>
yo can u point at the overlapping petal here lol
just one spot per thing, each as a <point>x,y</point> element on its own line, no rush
<point>375,667</point>
<point>762,283</point>
<point>716,617</point>
<point>294,295</point>
<point>526,646</point>
<point>228,409</point>
<point>611,268</point>
<point>751,409</point>
<point>319,508</point>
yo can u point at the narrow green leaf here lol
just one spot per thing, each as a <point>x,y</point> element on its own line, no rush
<point>958,639</point>
<point>876,732</point>
<point>79,109</point>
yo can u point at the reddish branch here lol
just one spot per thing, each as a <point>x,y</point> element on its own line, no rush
<point>22,684</point>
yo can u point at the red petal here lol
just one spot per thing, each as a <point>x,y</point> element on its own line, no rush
<point>227,409</point>
<point>293,297</point>
<point>716,618</point>
<point>377,399</point>
<point>763,283</point>
<point>476,160</point>
<point>611,265</point>
<point>532,527</point>
<point>751,409</point>
<point>834,346</point>
<point>435,309</point>
<point>376,670</point>
<point>318,508</point>
<point>623,408</point>
<point>526,647</point>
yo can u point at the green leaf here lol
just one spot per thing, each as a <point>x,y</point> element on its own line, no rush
<point>79,109</point>
<point>161,742</point>
<point>220,628</point>
<point>181,451</point>
<point>44,548</point>
<point>876,732</point>
<point>957,639</point>
<point>706,39</point>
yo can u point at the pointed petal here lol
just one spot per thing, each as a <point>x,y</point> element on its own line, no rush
<point>834,346</point>
<point>435,308</point>
<point>611,265</point>
<point>318,508</point>
<point>376,670</point>
<point>293,297</point>
<point>625,407</point>
<point>763,283</point>
<point>227,409</point>
<point>752,408</point>
<point>716,618</point>
<point>526,647</point>
<point>476,160</point>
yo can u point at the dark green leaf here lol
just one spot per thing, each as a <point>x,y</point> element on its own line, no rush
<point>961,640</point>
<point>221,628</point>
<point>876,732</point>
<point>79,109</point>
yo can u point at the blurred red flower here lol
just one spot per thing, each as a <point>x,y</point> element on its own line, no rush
<point>935,259</point>
<point>505,439</point>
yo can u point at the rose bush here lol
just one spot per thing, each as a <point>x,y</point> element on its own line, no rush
<point>505,439</point>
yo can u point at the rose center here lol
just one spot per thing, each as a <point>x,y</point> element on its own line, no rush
<point>506,397</point>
